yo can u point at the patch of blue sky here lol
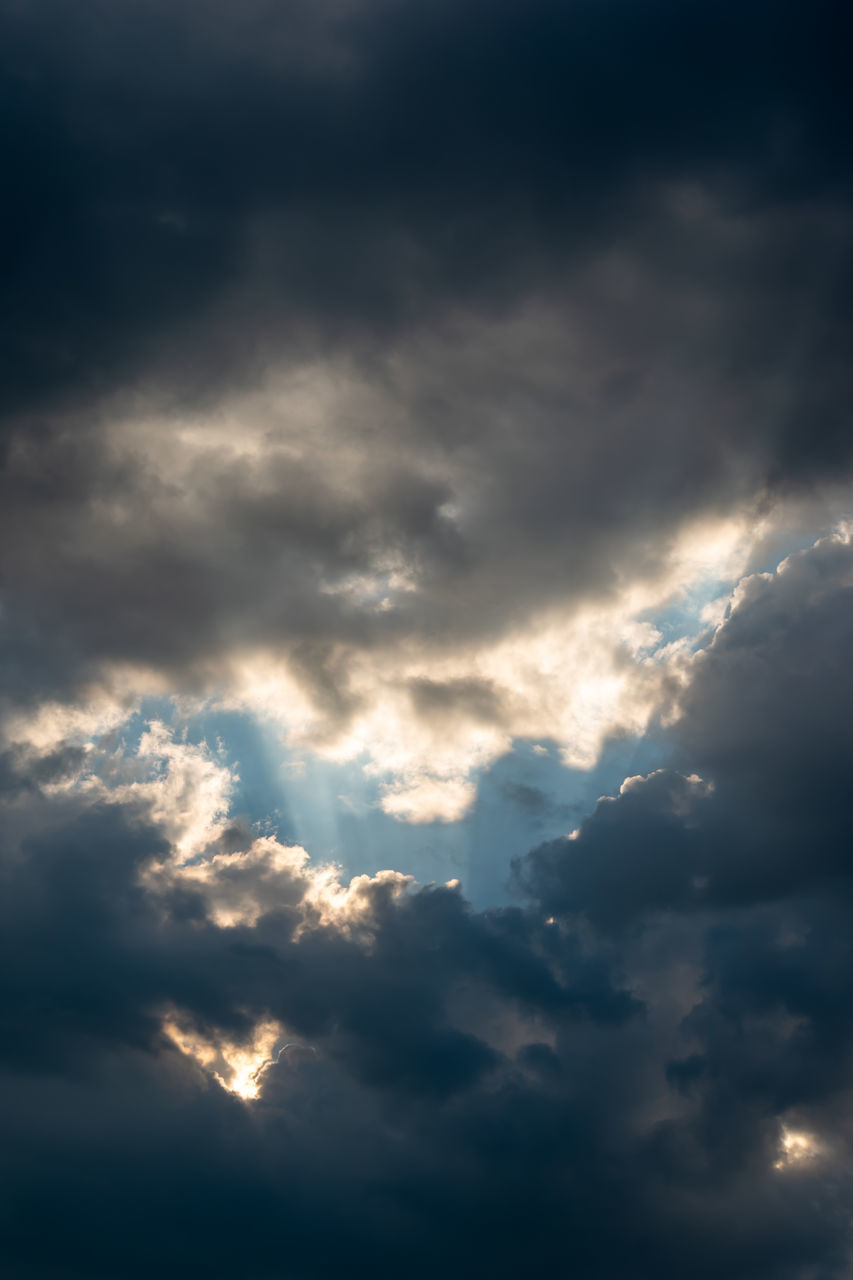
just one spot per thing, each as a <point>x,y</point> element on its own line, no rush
<point>122,741</point>
<point>683,618</point>
<point>529,797</point>
<point>127,736</point>
<point>334,810</point>
<point>524,799</point>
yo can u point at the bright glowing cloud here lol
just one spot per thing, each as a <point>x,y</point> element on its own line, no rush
<point>797,1149</point>
<point>238,1067</point>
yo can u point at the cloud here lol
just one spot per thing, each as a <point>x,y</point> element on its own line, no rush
<point>469,358</point>
<point>654,1046</point>
<point>419,379</point>
<point>760,726</point>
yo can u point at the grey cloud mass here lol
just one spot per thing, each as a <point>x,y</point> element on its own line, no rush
<point>567,275</point>
<point>764,756</point>
<point>480,1090</point>
<point>395,374</point>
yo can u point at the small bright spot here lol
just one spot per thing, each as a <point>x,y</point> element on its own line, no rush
<point>238,1068</point>
<point>796,1148</point>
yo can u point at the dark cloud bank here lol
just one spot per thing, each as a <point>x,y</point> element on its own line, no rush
<point>597,257</point>
<point>592,262</point>
<point>592,1081</point>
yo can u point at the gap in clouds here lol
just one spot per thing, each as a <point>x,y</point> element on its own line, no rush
<point>334,811</point>
<point>425,756</point>
<point>250,780</point>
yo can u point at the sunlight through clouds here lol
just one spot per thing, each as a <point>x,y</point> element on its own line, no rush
<point>239,1068</point>
<point>426,619</point>
<point>425,722</point>
<point>797,1149</point>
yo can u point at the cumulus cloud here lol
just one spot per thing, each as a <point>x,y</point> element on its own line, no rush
<point>761,725</point>
<point>656,1039</point>
<point>416,381</point>
<point>373,408</point>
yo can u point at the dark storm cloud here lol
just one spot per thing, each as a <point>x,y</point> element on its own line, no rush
<point>301,300</point>
<point>591,263</point>
<point>91,960</point>
<point>377,157</point>
<point>480,1091</point>
<point>763,740</point>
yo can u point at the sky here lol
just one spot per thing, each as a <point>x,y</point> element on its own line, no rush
<point>426,608</point>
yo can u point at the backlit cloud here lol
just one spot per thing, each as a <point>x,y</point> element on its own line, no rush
<point>425,633</point>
